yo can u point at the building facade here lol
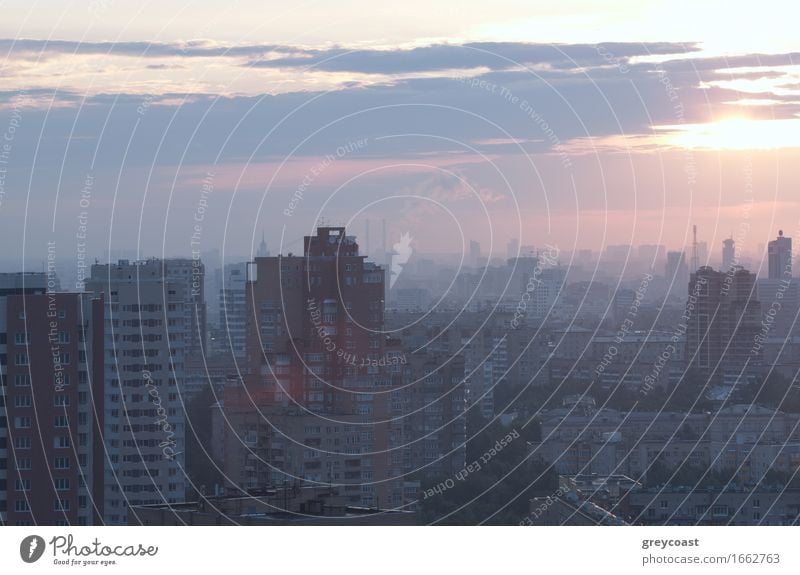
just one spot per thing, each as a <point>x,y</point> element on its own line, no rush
<point>148,332</point>
<point>51,405</point>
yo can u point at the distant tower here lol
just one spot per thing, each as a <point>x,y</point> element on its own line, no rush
<point>727,254</point>
<point>366,238</point>
<point>512,248</point>
<point>474,252</point>
<point>263,252</point>
<point>695,255</point>
<point>384,236</point>
<point>779,252</point>
<point>675,272</point>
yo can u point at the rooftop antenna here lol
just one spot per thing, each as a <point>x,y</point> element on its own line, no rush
<point>695,259</point>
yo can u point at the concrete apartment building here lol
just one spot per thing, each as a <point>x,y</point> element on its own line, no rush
<point>318,370</point>
<point>749,439</point>
<point>153,310</point>
<point>232,338</point>
<point>779,257</point>
<point>618,500</point>
<point>723,318</point>
<point>51,404</point>
<point>434,405</point>
<point>286,505</point>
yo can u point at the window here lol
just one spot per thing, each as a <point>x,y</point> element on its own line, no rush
<point>60,504</point>
<point>61,483</point>
<point>22,484</point>
<point>23,401</point>
<point>23,422</point>
<point>61,463</point>
<point>22,338</point>
<point>61,421</point>
<point>61,441</point>
<point>21,359</point>
<point>22,442</point>
<point>60,400</point>
<point>24,463</point>
<point>21,506</point>
<point>22,380</point>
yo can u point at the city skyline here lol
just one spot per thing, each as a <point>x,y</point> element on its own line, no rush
<point>351,263</point>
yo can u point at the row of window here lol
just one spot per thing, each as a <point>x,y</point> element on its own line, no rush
<point>59,441</point>
<point>136,397</point>
<point>59,483</point>
<point>61,314</point>
<point>26,422</point>
<point>23,359</point>
<point>61,379</point>
<point>22,505</point>
<point>59,400</point>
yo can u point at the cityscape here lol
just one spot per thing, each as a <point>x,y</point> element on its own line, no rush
<point>531,389</point>
<point>410,286</point>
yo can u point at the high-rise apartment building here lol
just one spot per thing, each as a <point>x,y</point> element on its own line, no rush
<point>153,308</point>
<point>728,254</point>
<point>51,404</point>
<point>723,318</point>
<point>320,373</point>
<point>435,419</point>
<point>233,309</point>
<point>474,253</point>
<point>676,272</point>
<point>779,253</point>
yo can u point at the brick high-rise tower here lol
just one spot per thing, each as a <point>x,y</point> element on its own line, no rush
<point>316,402</point>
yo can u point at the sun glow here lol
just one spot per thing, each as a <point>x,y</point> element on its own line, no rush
<point>735,134</point>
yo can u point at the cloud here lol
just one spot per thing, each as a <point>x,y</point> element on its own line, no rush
<point>195,49</point>
<point>490,55</point>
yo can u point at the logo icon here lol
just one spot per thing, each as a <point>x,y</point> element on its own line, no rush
<point>31,549</point>
<point>402,253</point>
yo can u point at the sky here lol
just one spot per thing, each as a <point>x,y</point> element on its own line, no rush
<point>172,127</point>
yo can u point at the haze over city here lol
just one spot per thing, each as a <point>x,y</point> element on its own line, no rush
<point>399,264</point>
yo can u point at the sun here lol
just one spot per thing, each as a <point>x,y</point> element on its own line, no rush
<point>734,134</point>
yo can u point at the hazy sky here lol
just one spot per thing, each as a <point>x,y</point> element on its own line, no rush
<point>162,127</point>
